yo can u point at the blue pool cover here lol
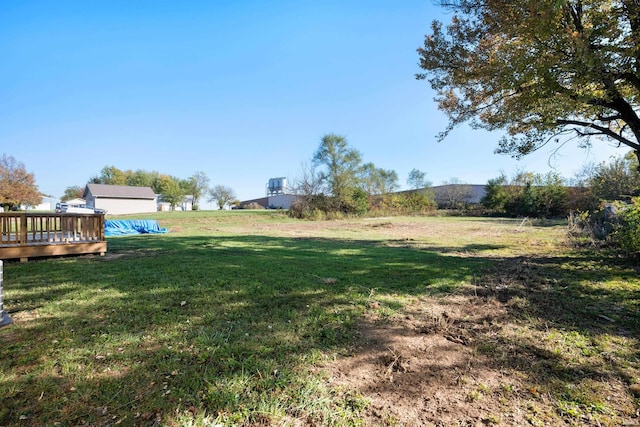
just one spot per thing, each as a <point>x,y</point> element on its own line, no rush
<point>123,227</point>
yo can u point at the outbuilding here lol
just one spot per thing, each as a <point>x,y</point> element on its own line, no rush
<point>120,199</point>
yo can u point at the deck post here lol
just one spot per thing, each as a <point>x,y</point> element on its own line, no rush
<point>23,229</point>
<point>4,317</point>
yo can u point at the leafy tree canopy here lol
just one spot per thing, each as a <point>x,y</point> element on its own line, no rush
<point>543,70</point>
<point>618,179</point>
<point>197,185</point>
<point>172,190</point>
<point>377,180</point>
<point>417,179</point>
<point>74,192</point>
<point>17,186</point>
<point>222,195</point>
<point>527,194</point>
<point>339,163</point>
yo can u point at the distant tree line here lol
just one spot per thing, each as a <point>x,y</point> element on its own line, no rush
<point>173,189</point>
<point>549,195</point>
<point>338,183</point>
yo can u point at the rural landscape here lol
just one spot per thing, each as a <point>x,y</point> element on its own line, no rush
<point>195,281</point>
<point>253,318</point>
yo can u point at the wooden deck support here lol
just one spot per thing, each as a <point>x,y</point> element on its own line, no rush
<point>27,235</point>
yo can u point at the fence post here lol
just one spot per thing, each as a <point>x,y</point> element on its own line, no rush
<point>4,317</point>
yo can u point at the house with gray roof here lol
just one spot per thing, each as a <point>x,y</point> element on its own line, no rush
<point>120,199</point>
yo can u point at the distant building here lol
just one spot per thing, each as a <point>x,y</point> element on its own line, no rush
<point>120,199</point>
<point>277,186</point>
<point>278,196</point>
<point>186,205</point>
<point>280,201</point>
<point>470,194</point>
<point>47,204</point>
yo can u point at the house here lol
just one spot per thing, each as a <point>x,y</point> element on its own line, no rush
<point>46,205</point>
<point>185,205</point>
<point>120,199</point>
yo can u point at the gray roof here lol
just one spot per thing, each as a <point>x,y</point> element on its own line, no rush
<point>119,191</point>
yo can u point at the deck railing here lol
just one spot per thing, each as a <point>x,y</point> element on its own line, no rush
<point>26,230</point>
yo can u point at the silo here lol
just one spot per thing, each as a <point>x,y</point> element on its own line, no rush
<point>276,186</point>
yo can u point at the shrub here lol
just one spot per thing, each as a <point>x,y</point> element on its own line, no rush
<point>589,227</point>
<point>356,204</point>
<point>309,207</point>
<point>626,232</point>
<point>405,203</point>
<point>615,224</point>
<point>528,194</point>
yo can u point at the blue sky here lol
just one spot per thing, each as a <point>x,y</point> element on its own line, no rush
<point>242,91</point>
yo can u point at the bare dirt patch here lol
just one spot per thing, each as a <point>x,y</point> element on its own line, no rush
<point>423,368</point>
<point>459,360</point>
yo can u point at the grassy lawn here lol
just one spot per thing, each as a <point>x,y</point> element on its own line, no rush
<point>230,317</point>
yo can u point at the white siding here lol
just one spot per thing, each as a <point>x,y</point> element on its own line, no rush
<point>281,201</point>
<point>125,206</point>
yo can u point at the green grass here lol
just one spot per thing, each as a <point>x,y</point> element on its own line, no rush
<point>227,318</point>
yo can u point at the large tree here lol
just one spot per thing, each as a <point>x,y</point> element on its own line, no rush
<point>375,181</point>
<point>543,70</point>
<point>141,178</point>
<point>339,163</point>
<point>222,195</point>
<point>110,175</point>
<point>73,192</point>
<point>309,182</point>
<point>417,179</point>
<point>171,190</point>
<point>198,184</point>
<point>17,186</point>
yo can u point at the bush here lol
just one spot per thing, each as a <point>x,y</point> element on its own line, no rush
<point>405,203</point>
<point>357,203</point>
<point>528,194</point>
<point>626,232</point>
<point>309,207</point>
<point>589,228</point>
<point>615,224</point>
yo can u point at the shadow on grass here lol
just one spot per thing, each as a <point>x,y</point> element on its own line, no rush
<point>590,301</point>
<point>167,325</point>
<point>564,333</point>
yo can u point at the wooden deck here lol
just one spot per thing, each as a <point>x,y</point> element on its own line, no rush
<point>27,235</point>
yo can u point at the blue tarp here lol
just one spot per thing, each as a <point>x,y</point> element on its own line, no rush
<point>122,227</point>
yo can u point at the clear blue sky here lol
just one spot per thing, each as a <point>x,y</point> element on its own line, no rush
<point>242,91</point>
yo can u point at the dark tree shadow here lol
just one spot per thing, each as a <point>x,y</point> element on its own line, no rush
<point>201,316</point>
